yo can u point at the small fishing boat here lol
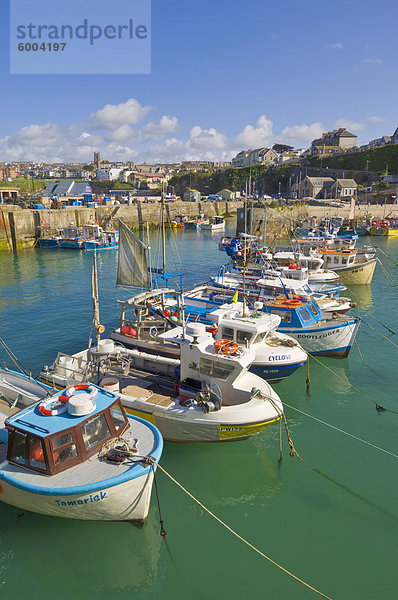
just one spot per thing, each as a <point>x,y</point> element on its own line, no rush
<point>49,236</point>
<point>178,222</point>
<point>71,238</point>
<point>211,398</point>
<point>216,223</point>
<point>233,277</point>
<point>196,222</point>
<point>18,390</point>
<point>384,227</point>
<point>152,329</point>
<point>76,454</point>
<point>301,318</point>
<point>352,267</point>
<point>106,239</point>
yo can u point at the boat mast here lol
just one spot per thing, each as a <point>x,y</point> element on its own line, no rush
<point>244,262</point>
<point>149,256</point>
<point>163,234</point>
<point>94,293</point>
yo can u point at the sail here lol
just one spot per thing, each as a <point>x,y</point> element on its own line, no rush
<point>132,267</point>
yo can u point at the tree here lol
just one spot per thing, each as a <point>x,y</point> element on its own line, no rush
<point>279,148</point>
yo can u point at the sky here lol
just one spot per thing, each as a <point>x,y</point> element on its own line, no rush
<point>225,76</point>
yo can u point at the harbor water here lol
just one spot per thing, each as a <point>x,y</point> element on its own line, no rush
<point>328,515</point>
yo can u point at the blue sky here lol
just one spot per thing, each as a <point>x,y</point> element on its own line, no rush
<point>225,76</point>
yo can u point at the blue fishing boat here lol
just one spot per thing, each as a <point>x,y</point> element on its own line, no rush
<point>76,454</point>
<point>108,239</point>
<point>301,318</point>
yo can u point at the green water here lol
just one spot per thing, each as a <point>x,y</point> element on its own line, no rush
<point>335,527</point>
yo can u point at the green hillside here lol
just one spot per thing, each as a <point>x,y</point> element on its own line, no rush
<point>380,160</point>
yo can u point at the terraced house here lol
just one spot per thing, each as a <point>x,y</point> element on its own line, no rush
<point>333,142</point>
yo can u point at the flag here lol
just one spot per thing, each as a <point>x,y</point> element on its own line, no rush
<point>235,298</point>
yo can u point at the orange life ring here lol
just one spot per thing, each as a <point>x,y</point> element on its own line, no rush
<point>77,388</point>
<point>226,346</point>
<point>292,266</point>
<point>293,302</point>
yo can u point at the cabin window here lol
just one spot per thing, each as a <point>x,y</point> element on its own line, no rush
<point>304,314</point>
<point>243,336</point>
<point>285,315</point>
<point>345,260</point>
<point>260,337</point>
<point>215,369</point>
<point>18,447</point>
<point>36,458</point>
<point>336,260</point>
<point>312,309</point>
<point>227,333</point>
<point>63,448</point>
<point>95,431</point>
<point>118,417</point>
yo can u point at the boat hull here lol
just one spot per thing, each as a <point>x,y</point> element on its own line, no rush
<point>358,273</point>
<point>71,244</point>
<point>275,372</point>
<point>329,340</point>
<point>128,501</point>
<point>95,246</point>
<point>47,243</point>
<point>205,428</point>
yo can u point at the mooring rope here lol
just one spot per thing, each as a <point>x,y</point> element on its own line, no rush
<point>242,539</point>
<point>378,406</point>
<point>341,430</point>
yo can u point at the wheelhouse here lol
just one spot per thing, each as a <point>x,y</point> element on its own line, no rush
<point>294,313</point>
<point>51,444</point>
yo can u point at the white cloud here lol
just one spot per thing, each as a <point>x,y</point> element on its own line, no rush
<point>369,61</point>
<point>302,133</point>
<point>123,133</point>
<point>154,131</point>
<point>376,119</point>
<point>205,144</point>
<point>354,125</point>
<point>336,46</point>
<point>256,136</point>
<point>372,61</point>
<point>113,116</point>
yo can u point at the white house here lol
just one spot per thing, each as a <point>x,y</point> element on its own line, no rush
<point>109,174</point>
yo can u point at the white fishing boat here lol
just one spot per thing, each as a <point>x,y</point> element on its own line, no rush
<point>216,223</point>
<point>147,323</point>
<point>313,263</point>
<point>351,267</point>
<point>212,396</point>
<point>76,454</point>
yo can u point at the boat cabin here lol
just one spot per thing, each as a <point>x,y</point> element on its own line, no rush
<point>338,258</point>
<point>63,431</point>
<point>294,313</point>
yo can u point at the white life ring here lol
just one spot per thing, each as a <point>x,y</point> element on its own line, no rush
<point>90,389</point>
<point>54,406</point>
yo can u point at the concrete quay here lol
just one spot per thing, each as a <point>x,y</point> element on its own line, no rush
<point>20,228</point>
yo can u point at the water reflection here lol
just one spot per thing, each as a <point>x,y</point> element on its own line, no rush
<point>102,556</point>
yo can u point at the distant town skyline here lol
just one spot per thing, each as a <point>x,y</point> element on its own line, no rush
<point>225,77</point>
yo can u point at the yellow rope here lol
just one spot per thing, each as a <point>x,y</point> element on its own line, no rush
<point>209,512</point>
